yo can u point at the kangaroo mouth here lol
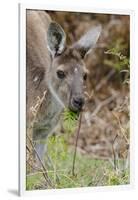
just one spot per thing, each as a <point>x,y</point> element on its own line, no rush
<point>76,104</point>
<point>75,108</point>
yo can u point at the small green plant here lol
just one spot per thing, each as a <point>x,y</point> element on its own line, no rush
<point>119,178</point>
<point>57,147</point>
<point>117,55</point>
<point>120,62</point>
<point>70,120</point>
<point>33,181</point>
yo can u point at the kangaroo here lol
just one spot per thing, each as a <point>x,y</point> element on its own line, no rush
<point>54,68</point>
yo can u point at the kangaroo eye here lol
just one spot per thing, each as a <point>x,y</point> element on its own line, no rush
<point>60,74</point>
<point>85,76</point>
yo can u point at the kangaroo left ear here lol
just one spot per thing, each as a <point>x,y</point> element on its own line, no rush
<point>56,39</point>
<point>87,42</point>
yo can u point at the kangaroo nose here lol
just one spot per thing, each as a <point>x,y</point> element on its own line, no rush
<point>78,102</point>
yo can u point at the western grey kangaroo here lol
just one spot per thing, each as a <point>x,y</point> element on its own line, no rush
<point>56,70</point>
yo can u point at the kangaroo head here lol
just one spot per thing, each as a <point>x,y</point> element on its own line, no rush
<point>67,74</point>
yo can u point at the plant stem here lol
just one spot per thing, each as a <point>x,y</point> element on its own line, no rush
<point>77,137</point>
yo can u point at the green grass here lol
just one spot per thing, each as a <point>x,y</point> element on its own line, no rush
<point>88,171</point>
<point>33,181</point>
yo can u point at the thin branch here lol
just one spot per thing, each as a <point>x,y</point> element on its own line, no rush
<point>122,130</point>
<point>33,167</point>
<point>45,174</point>
<point>105,80</point>
<point>114,153</point>
<point>103,103</point>
<point>74,157</point>
<point>100,180</point>
<point>34,109</point>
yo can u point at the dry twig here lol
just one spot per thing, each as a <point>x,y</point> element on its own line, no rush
<point>105,80</point>
<point>45,174</point>
<point>77,137</point>
<point>103,103</point>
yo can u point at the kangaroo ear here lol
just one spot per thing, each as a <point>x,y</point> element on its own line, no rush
<point>87,42</point>
<point>56,39</point>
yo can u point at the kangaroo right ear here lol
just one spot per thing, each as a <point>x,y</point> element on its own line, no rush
<point>56,39</point>
<point>87,42</point>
